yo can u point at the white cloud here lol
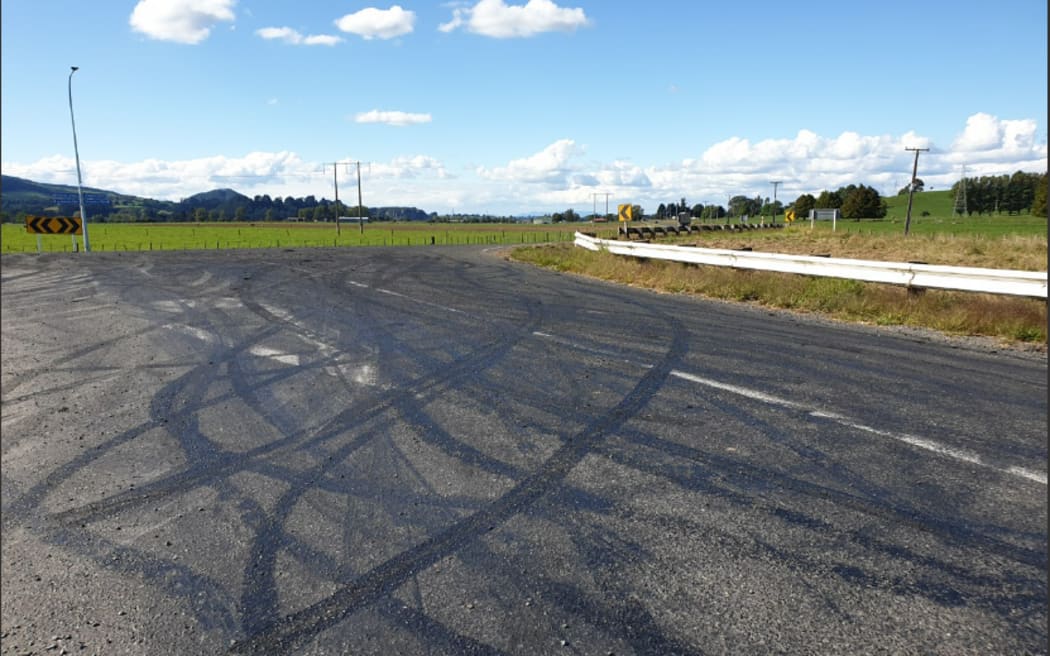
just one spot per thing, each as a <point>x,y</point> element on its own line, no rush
<point>983,132</point>
<point>558,176</point>
<point>809,163</point>
<point>293,37</point>
<point>173,180</point>
<point>496,19</point>
<point>623,174</point>
<point>550,165</point>
<point>372,23</point>
<point>321,40</point>
<point>409,167</point>
<point>992,137</point>
<point>181,21</point>
<point>391,117</point>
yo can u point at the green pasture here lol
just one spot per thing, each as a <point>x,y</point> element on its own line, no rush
<point>210,236</point>
<point>981,226</point>
<point>937,203</point>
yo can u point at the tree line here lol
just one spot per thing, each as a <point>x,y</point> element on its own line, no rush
<point>1020,193</point>
<point>853,201</point>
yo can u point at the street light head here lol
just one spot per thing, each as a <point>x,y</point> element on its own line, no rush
<point>75,68</point>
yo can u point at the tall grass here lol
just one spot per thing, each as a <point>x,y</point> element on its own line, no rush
<point>1007,251</point>
<point>1010,319</point>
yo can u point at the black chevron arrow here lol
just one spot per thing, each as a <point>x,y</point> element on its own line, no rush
<point>34,224</point>
<point>53,225</point>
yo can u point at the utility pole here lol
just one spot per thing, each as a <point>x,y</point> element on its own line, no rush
<point>911,187</point>
<point>775,184</point>
<point>960,195</point>
<point>594,197</point>
<point>360,217</point>
<point>335,182</point>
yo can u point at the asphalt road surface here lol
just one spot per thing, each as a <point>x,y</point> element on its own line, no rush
<point>437,451</point>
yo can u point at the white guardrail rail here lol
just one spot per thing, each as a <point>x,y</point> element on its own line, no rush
<point>971,279</point>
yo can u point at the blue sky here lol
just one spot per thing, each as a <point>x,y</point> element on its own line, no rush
<point>516,106</point>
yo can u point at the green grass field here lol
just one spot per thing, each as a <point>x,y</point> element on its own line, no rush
<point>211,236</point>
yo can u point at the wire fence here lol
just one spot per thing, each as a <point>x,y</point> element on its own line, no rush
<point>156,241</point>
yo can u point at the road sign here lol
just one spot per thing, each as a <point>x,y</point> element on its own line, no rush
<point>54,225</point>
<point>789,216</point>
<point>625,212</point>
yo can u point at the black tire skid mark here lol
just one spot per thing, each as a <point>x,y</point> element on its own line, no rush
<point>194,476</point>
<point>259,600</point>
<point>303,625</point>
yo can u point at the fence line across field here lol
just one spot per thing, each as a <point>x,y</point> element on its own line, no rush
<point>972,279</point>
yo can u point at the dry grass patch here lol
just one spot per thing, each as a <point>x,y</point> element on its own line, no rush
<point>1011,319</point>
<point>1022,252</point>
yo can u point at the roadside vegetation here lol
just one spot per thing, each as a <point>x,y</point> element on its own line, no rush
<point>1013,321</point>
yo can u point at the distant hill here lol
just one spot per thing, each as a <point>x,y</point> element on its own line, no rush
<point>226,200</point>
<point>937,203</point>
<point>20,196</point>
<point>10,184</point>
<point>217,196</point>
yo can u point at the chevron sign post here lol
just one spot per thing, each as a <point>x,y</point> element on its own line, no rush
<point>54,225</point>
<point>625,213</point>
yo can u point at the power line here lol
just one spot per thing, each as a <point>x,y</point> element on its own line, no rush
<point>335,182</point>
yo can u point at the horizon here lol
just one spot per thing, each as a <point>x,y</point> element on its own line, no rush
<point>520,215</point>
<point>516,108</point>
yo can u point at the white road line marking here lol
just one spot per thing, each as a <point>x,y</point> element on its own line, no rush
<point>614,355</point>
<point>912,440</point>
<point>742,391</point>
<point>1038,477</point>
<point>416,300</point>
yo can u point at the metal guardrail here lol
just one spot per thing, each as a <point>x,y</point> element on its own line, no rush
<point>971,279</point>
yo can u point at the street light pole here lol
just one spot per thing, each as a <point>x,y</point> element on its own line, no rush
<point>76,153</point>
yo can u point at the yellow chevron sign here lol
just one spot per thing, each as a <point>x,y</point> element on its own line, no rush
<point>625,212</point>
<point>54,225</point>
<point>789,216</point>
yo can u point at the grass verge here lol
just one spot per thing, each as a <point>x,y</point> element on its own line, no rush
<point>1013,321</point>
